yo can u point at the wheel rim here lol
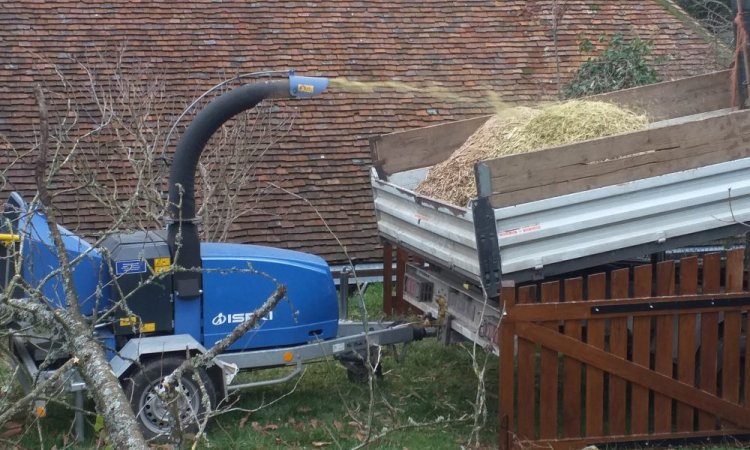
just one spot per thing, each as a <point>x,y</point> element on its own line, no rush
<point>155,414</point>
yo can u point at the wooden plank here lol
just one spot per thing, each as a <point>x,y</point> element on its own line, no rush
<point>526,375</point>
<point>594,374</point>
<point>634,441</point>
<point>635,373</point>
<point>686,341</point>
<point>732,328</point>
<point>422,147</point>
<point>678,98</point>
<point>401,258</point>
<point>672,153</point>
<point>549,372</point>
<point>506,384</point>
<point>618,159</point>
<point>387,279</point>
<point>647,307</point>
<point>595,151</point>
<point>572,368</point>
<point>709,338</point>
<point>639,406</point>
<point>664,335</point>
<point>618,345</point>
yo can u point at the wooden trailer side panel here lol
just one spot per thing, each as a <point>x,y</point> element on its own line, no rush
<point>423,147</point>
<point>618,159</point>
<point>671,99</point>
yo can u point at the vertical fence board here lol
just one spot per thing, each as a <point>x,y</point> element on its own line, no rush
<point>664,335</point>
<point>686,342</point>
<point>572,368</point>
<point>709,337</point>
<point>506,385</point>
<point>595,376</point>
<point>549,375</point>
<point>618,344</point>
<point>641,351</point>
<point>732,329</point>
<point>526,375</point>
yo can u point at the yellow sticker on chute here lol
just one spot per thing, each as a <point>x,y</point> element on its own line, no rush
<point>306,88</point>
<point>148,327</point>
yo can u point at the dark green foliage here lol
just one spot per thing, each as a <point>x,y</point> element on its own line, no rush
<point>707,9</point>
<point>623,64</point>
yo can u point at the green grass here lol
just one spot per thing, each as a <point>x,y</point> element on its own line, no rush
<point>434,384</point>
<point>373,301</point>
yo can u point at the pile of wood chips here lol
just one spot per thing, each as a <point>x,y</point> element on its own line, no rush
<point>522,130</point>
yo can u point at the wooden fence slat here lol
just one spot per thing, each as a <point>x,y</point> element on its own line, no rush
<point>594,375</point>
<point>549,372</point>
<point>663,384</point>
<point>746,380</point>
<point>732,329</point>
<point>572,368</point>
<point>709,337</point>
<point>641,351</point>
<point>506,384</point>
<point>618,345</point>
<point>686,343</point>
<point>664,335</point>
<point>526,375</point>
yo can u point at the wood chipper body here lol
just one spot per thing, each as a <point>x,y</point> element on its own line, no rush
<point>155,296</point>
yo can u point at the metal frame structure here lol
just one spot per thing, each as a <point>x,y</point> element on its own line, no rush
<point>353,339</point>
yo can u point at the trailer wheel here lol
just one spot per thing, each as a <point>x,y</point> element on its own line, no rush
<point>154,415</point>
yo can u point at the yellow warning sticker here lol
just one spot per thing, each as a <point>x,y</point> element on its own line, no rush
<point>128,321</point>
<point>306,88</point>
<point>148,327</point>
<point>162,264</point>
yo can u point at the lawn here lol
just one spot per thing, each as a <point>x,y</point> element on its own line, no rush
<point>424,402</point>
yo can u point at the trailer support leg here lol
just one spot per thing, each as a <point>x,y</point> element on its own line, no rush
<point>80,436</point>
<point>401,258</point>
<point>387,279</point>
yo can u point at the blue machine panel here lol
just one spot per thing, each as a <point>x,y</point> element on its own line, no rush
<point>126,267</point>
<point>237,280</point>
<point>40,259</point>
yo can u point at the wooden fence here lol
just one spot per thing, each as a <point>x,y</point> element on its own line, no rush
<point>655,354</point>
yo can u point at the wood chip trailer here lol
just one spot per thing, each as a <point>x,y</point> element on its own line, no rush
<point>683,181</point>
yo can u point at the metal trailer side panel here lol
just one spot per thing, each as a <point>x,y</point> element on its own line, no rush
<point>441,233</point>
<point>602,221</point>
<point>651,210</point>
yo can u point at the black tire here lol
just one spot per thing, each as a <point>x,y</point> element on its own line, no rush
<point>152,414</point>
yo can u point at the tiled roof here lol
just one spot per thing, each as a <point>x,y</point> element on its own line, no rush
<point>468,47</point>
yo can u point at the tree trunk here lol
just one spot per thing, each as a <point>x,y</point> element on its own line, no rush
<point>105,388</point>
